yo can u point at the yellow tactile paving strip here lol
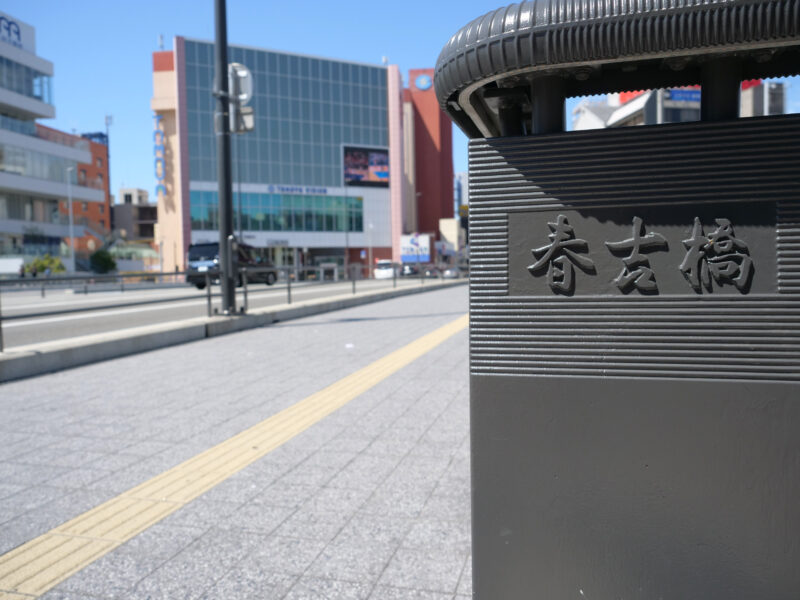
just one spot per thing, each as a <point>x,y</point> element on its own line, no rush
<point>39,565</point>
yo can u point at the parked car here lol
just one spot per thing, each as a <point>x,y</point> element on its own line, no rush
<point>452,273</point>
<point>205,257</point>
<point>431,272</point>
<point>384,269</point>
<point>409,270</point>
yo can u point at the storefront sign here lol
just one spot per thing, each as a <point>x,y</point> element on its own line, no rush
<point>297,189</point>
<point>16,33</point>
<point>158,153</point>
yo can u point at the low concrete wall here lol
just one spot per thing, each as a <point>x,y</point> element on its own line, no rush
<point>28,361</point>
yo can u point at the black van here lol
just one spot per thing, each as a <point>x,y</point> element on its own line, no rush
<point>205,257</point>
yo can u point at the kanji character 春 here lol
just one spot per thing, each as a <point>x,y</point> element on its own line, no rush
<point>560,255</point>
<point>719,256</point>
<point>637,271</point>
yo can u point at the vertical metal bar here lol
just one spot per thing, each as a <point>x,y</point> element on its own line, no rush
<point>721,89</point>
<point>85,288</point>
<point>208,293</point>
<point>244,289</point>
<point>121,284</point>
<point>1,326</point>
<point>353,277</point>
<point>547,100</point>
<point>394,275</point>
<point>222,130</point>
<point>288,287</point>
<point>43,289</point>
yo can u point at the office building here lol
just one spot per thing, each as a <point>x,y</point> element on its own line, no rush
<point>39,167</point>
<point>320,179</point>
<point>135,217</point>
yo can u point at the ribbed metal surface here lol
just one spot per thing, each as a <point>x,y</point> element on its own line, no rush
<point>788,243</point>
<point>572,32</point>
<point>752,163</point>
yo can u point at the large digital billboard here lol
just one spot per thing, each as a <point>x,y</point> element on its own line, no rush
<point>366,166</point>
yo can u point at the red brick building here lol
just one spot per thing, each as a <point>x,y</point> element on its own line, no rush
<point>94,216</point>
<point>433,153</point>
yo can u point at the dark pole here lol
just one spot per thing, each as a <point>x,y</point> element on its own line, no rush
<point>221,127</point>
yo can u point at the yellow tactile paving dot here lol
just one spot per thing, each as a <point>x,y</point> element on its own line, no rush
<point>42,563</point>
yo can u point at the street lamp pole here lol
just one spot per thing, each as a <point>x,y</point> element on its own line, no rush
<point>69,212</point>
<point>225,186</point>
<point>369,242</point>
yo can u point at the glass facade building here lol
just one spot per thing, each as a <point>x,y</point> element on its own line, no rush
<point>288,172</point>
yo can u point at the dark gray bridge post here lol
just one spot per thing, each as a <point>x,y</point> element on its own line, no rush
<point>634,304</point>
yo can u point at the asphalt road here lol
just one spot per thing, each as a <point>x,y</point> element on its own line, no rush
<point>28,318</point>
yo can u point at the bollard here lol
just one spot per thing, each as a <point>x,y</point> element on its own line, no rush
<point>208,294</point>
<point>86,288</point>
<point>288,288</point>
<point>121,284</point>
<point>244,289</point>
<point>1,323</point>
<point>394,276</point>
<point>43,289</point>
<point>353,277</point>
<point>634,304</point>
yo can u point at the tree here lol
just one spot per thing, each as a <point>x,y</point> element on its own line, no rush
<point>102,261</point>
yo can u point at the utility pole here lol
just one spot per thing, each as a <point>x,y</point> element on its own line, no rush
<point>71,220</point>
<point>222,130</point>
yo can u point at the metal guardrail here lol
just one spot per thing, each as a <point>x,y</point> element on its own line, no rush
<point>159,280</point>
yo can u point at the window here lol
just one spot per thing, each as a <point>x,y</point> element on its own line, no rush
<point>103,223</point>
<point>102,209</point>
<point>128,198</point>
<point>82,176</point>
<point>99,162</point>
<point>84,206</point>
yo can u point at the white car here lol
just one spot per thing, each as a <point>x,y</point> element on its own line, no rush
<point>383,269</point>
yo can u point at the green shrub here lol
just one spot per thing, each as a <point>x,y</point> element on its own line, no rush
<point>102,262</point>
<point>40,264</point>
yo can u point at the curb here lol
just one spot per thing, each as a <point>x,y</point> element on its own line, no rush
<point>29,361</point>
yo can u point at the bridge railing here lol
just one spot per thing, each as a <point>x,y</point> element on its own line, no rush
<point>357,274</point>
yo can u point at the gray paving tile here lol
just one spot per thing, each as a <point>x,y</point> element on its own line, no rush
<point>250,583</point>
<point>281,493</point>
<point>295,522</point>
<point>161,542</point>
<point>465,582</point>
<point>435,570</point>
<point>278,554</point>
<point>82,477</point>
<point>353,560</point>
<point>308,524</point>
<point>116,574</point>
<point>383,592</point>
<point>309,588</point>
<point>369,529</point>
<point>262,518</point>
<point>201,513</point>
<point>426,533</point>
<point>20,474</point>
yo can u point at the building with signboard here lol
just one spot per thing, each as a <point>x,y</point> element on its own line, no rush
<point>672,105</point>
<point>321,177</point>
<point>39,167</point>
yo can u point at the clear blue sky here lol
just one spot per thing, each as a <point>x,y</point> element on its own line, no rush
<point>102,53</point>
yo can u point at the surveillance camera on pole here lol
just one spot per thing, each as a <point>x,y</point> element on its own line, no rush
<point>240,84</point>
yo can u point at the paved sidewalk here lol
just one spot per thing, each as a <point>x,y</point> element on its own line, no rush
<point>372,502</point>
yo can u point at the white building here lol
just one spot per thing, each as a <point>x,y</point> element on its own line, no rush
<point>38,168</point>
<point>675,105</point>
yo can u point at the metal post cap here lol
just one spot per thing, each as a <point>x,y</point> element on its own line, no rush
<point>600,46</point>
